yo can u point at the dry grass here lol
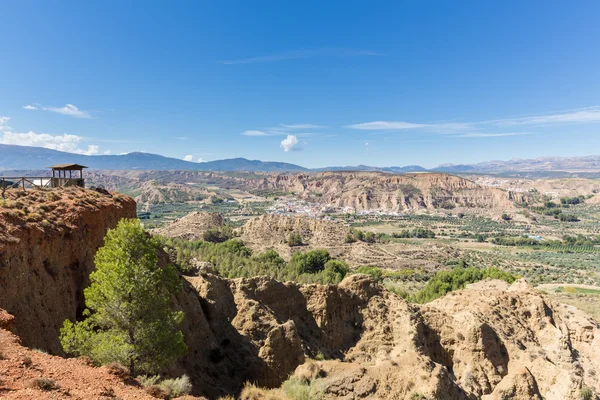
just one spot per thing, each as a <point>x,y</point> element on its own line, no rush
<point>44,384</point>
<point>253,392</point>
<point>46,208</point>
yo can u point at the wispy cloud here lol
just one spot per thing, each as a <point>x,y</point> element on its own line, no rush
<point>290,143</point>
<point>3,121</point>
<point>386,125</point>
<point>189,157</point>
<point>478,128</point>
<point>483,135</point>
<point>69,110</point>
<point>302,126</point>
<point>583,115</point>
<point>255,133</point>
<point>300,54</point>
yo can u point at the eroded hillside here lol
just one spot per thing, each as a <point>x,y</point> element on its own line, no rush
<point>490,341</point>
<point>48,240</point>
<point>373,190</point>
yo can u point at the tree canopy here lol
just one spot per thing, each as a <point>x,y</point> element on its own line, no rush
<point>129,317</point>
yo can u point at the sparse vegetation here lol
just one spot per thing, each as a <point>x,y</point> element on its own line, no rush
<point>231,259</point>
<point>444,282</point>
<point>297,389</point>
<point>294,239</point>
<point>43,384</point>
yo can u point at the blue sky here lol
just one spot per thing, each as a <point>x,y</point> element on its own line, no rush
<point>313,83</point>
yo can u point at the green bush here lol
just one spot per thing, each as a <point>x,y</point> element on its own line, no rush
<point>310,262</point>
<point>294,239</point>
<point>231,259</point>
<point>444,282</point>
<point>297,389</point>
<point>177,387</point>
<point>375,272</point>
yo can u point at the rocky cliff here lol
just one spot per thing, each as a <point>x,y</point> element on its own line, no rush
<point>272,231</point>
<point>489,341</point>
<point>374,190</point>
<point>48,241</point>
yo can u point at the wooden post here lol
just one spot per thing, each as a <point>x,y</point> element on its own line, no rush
<point>23,182</point>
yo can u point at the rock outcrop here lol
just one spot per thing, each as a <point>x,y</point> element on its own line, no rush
<point>402,193</point>
<point>192,226</point>
<point>272,231</point>
<point>489,341</point>
<point>47,253</point>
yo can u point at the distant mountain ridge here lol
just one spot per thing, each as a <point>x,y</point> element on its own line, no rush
<point>14,157</point>
<point>35,158</point>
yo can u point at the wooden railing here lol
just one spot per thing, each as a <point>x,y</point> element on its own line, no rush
<point>40,182</point>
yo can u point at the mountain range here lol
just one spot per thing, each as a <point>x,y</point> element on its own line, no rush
<point>14,157</point>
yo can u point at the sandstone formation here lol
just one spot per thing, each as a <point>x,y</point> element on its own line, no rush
<point>488,341</point>
<point>190,227</point>
<point>47,253</point>
<point>272,231</point>
<point>407,192</point>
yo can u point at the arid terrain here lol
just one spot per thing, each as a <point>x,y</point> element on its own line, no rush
<point>255,337</point>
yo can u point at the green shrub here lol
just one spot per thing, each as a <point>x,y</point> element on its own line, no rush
<point>177,387</point>
<point>310,262</point>
<point>586,393</point>
<point>294,239</point>
<point>375,272</point>
<point>296,389</point>
<point>444,282</point>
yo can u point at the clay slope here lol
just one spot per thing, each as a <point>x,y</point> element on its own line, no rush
<point>73,378</point>
<point>272,231</point>
<point>491,342</point>
<point>373,190</point>
<point>48,240</point>
<point>190,227</point>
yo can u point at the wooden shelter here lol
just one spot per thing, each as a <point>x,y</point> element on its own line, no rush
<point>60,178</point>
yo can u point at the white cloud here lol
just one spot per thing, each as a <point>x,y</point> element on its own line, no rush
<point>255,133</point>
<point>69,110</point>
<point>189,157</point>
<point>65,142</point>
<point>4,120</point>
<point>290,143</point>
<point>92,149</point>
<point>385,125</point>
<point>302,126</point>
<point>107,152</point>
<point>30,107</point>
<point>200,159</point>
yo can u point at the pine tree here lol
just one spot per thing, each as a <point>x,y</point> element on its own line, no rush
<point>130,319</point>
